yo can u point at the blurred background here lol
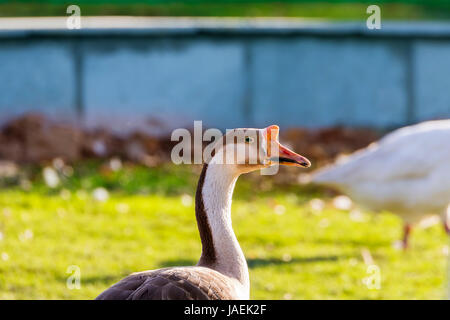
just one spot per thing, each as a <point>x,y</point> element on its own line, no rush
<point>86,181</point>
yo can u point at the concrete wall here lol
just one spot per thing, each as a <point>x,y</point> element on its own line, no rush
<point>229,76</point>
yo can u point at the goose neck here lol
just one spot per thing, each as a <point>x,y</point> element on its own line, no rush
<point>220,248</point>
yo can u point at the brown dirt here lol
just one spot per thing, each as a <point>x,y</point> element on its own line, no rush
<point>33,138</point>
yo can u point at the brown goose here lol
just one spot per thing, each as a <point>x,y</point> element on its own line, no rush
<point>221,272</point>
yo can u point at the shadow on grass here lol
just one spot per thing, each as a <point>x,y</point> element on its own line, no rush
<point>259,263</point>
<point>252,264</point>
<point>357,243</point>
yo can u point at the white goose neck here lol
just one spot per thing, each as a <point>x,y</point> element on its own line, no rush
<point>217,195</point>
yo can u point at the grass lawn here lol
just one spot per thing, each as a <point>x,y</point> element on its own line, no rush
<point>329,9</point>
<point>293,251</point>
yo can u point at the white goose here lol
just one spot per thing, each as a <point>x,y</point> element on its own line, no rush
<point>221,272</point>
<point>407,172</point>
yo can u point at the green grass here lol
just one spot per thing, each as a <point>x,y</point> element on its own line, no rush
<point>331,9</point>
<point>300,254</point>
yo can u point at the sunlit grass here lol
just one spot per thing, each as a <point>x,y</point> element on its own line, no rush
<point>334,9</point>
<point>293,251</point>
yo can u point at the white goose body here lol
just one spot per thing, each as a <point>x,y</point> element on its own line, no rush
<point>222,271</point>
<point>407,172</point>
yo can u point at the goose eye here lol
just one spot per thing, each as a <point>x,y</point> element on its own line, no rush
<point>249,139</point>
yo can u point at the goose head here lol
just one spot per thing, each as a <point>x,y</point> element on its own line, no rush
<point>246,150</point>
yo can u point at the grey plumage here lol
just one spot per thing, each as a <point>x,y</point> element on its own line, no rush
<point>179,283</point>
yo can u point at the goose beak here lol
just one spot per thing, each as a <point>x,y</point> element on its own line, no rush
<point>290,158</point>
<point>281,154</point>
